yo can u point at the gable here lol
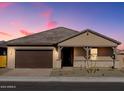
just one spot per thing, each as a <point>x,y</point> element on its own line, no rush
<point>87,39</point>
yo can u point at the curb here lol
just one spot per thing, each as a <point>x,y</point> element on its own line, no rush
<point>62,79</point>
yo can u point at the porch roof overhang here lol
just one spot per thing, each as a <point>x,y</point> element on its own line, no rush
<point>84,46</point>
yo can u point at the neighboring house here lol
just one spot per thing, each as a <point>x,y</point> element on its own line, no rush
<point>62,47</point>
<point>120,57</point>
<point>121,52</point>
<point>3,54</point>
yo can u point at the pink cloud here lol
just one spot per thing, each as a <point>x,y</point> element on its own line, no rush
<point>5,5</point>
<point>121,47</point>
<point>47,14</point>
<point>18,25</point>
<point>51,24</point>
<point>5,34</point>
<point>25,32</point>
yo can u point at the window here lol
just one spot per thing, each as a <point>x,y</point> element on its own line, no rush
<point>93,53</point>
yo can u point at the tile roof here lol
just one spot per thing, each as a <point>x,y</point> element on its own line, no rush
<point>49,37</point>
<point>2,43</point>
<point>53,36</point>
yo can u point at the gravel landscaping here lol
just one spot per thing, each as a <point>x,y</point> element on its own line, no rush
<point>64,72</point>
<point>99,72</point>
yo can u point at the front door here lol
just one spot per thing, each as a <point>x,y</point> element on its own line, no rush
<point>67,56</point>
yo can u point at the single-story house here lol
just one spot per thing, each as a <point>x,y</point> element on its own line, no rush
<point>62,47</point>
<point>3,54</point>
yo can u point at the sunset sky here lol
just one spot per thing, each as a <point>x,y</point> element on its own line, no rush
<point>20,19</point>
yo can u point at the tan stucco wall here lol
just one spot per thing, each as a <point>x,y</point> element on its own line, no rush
<point>107,64</point>
<point>87,40</point>
<point>120,59</point>
<point>79,61</point>
<point>11,56</point>
<point>56,61</point>
<point>82,63</point>
<point>119,63</point>
<point>104,59</point>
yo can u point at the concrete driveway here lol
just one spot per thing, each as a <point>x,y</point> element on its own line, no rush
<point>25,72</point>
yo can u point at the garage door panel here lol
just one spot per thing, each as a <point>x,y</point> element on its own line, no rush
<point>33,59</point>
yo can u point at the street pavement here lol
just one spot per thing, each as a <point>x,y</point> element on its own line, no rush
<point>61,86</point>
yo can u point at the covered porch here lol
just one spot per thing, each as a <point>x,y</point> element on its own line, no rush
<point>89,49</point>
<point>87,56</point>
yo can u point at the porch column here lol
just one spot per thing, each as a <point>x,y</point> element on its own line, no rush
<point>59,53</point>
<point>87,55</point>
<point>57,56</point>
<point>114,56</point>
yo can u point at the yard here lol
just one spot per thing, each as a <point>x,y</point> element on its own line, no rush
<point>64,72</point>
<point>78,72</point>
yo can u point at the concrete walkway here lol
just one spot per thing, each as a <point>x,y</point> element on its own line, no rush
<point>63,79</point>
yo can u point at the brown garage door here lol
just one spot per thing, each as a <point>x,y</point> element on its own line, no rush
<point>33,59</point>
